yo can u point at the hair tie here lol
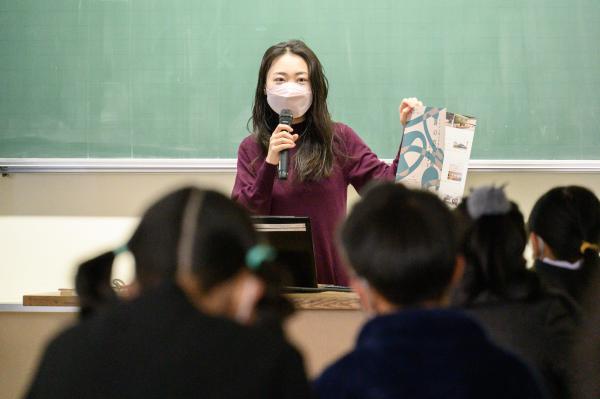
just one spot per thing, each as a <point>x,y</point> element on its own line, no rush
<point>119,250</point>
<point>487,200</point>
<point>259,254</point>
<point>588,245</point>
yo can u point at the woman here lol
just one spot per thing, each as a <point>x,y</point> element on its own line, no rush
<point>325,156</point>
<point>565,237</point>
<point>507,298</point>
<point>199,265</point>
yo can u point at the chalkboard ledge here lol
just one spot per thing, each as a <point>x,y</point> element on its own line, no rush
<point>119,165</point>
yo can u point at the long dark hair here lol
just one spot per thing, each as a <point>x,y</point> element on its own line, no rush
<point>314,158</point>
<point>222,236</point>
<point>403,242</point>
<point>493,247</point>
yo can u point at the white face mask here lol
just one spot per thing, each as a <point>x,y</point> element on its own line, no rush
<point>293,96</point>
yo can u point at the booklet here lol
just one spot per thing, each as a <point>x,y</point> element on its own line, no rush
<point>435,152</point>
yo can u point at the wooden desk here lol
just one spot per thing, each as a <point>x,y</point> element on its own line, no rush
<point>57,298</point>
<point>328,300</point>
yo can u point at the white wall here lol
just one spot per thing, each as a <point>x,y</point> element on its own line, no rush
<point>49,222</point>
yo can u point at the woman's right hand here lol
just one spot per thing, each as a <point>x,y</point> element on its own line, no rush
<point>281,139</point>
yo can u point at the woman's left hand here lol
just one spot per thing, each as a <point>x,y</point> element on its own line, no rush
<point>406,108</point>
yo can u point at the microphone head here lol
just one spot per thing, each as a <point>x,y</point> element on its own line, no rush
<point>286,117</point>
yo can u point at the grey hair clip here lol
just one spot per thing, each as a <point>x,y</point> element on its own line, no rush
<point>487,200</point>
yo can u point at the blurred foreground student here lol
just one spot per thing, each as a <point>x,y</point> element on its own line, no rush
<point>401,246</point>
<point>507,298</point>
<point>182,336</point>
<point>565,237</point>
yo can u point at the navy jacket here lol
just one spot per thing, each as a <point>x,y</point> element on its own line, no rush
<point>420,354</point>
<point>539,330</point>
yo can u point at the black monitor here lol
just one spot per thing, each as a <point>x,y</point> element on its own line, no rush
<point>291,237</point>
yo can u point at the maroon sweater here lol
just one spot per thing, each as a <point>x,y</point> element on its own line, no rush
<point>260,191</point>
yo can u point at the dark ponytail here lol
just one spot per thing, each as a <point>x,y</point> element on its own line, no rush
<point>93,284</point>
<point>153,246</point>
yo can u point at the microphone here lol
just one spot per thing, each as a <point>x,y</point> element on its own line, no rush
<point>285,117</point>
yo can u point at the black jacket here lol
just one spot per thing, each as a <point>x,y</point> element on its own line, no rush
<point>539,329</point>
<point>160,346</point>
<point>573,283</point>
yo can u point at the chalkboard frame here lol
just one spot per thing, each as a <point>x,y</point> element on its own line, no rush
<point>223,165</point>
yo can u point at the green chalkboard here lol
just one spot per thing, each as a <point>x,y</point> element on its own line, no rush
<point>175,78</point>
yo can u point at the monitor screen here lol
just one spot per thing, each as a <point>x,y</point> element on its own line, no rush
<point>291,237</point>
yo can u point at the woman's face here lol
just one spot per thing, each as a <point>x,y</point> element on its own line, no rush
<point>288,67</point>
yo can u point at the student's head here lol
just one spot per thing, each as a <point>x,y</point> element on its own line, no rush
<point>402,244</point>
<point>565,225</point>
<point>199,239</point>
<point>293,68</point>
<point>493,243</point>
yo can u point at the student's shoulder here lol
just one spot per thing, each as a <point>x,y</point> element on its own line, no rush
<point>488,363</point>
<point>548,306</point>
<point>277,365</point>
<point>263,337</point>
<point>501,369</point>
<point>71,350</point>
<point>245,341</point>
<point>338,377</point>
<point>88,329</point>
<point>560,309</point>
<point>62,369</point>
<point>68,340</point>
